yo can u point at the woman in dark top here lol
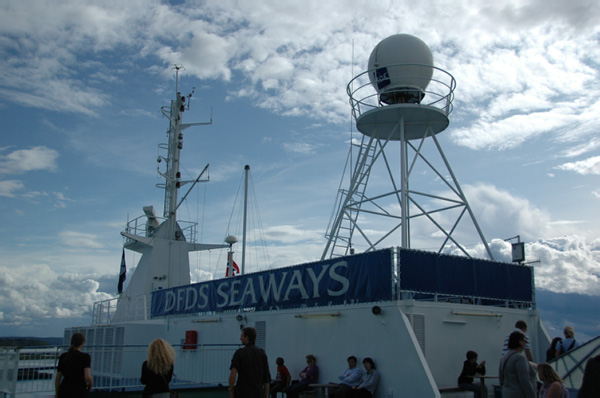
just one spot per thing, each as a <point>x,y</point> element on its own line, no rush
<point>157,370</point>
<point>73,376</point>
<point>309,375</point>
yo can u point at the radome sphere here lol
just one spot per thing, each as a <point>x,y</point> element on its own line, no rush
<point>387,75</point>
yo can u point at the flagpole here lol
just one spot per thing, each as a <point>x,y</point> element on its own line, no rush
<point>246,173</point>
<point>230,240</point>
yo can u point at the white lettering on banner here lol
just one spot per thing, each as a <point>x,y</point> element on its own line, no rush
<point>191,297</point>
<point>316,279</point>
<point>249,291</point>
<point>169,301</point>
<point>296,284</point>
<point>203,296</point>
<point>272,287</point>
<point>180,298</point>
<point>327,280</point>
<point>235,289</point>
<point>340,278</point>
<point>222,293</point>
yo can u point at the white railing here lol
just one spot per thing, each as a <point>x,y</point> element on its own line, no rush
<point>439,91</point>
<point>138,226</point>
<point>130,309</point>
<point>25,372</point>
<point>9,368</point>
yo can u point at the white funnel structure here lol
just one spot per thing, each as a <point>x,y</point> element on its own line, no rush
<point>400,104</point>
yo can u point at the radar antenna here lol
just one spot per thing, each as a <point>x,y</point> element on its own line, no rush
<point>400,104</point>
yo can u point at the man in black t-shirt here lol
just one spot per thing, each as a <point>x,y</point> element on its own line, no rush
<point>251,367</point>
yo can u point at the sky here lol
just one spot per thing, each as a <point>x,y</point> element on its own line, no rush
<point>82,84</point>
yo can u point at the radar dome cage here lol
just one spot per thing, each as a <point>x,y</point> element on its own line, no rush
<point>400,68</point>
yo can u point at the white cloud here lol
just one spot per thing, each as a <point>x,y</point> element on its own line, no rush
<point>300,56</point>
<point>37,292</point>
<point>80,240</point>
<point>568,264</point>
<point>500,211</point>
<point>9,188</point>
<point>291,234</point>
<point>199,275</point>
<point>299,147</point>
<point>584,167</point>
<point>24,160</point>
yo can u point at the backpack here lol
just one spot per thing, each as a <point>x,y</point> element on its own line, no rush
<point>562,348</point>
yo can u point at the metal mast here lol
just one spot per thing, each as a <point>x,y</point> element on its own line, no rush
<point>246,173</point>
<point>400,105</point>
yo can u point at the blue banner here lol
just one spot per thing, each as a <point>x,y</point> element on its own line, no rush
<point>359,278</point>
<point>462,276</point>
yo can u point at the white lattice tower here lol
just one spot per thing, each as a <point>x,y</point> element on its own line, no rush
<point>400,188</point>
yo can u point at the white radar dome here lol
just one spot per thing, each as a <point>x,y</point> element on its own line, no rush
<point>400,68</point>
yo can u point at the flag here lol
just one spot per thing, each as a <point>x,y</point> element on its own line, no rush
<point>233,269</point>
<point>122,273</point>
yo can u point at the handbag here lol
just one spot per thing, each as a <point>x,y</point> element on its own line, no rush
<point>504,366</point>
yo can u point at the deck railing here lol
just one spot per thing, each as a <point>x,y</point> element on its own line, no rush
<point>28,371</point>
<point>135,308</point>
<point>570,366</point>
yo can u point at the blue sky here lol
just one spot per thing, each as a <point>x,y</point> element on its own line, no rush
<point>82,83</point>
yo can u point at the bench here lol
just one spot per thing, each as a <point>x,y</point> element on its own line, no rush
<point>456,392</point>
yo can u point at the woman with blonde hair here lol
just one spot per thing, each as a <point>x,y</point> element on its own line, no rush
<point>552,383</point>
<point>568,343</point>
<point>157,370</point>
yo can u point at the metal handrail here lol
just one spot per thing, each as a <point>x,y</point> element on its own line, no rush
<point>439,92</point>
<point>32,370</point>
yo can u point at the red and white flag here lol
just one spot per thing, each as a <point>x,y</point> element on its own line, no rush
<point>232,267</point>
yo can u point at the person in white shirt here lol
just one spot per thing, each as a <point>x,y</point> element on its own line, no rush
<point>521,327</point>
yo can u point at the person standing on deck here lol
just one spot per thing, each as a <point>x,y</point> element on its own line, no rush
<point>568,343</point>
<point>590,385</point>
<point>251,368</point>
<point>513,370</point>
<point>521,327</point>
<point>73,376</point>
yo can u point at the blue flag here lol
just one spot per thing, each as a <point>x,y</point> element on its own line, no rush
<point>123,273</point>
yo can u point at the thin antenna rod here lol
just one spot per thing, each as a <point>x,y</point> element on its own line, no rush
<point>246,172</point>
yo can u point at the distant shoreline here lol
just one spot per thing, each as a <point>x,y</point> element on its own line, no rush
<point>19,341</point>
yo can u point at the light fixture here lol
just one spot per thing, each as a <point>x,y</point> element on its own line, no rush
<point>319,315</point>
<point>207,320</point>
<point>490,314</point>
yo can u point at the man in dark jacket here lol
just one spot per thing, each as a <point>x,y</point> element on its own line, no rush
<point>251,367</point>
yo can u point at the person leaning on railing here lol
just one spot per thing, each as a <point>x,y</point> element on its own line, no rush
<point>73,376</point>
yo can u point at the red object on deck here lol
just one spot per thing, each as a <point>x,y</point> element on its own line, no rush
<point>191,340</point>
